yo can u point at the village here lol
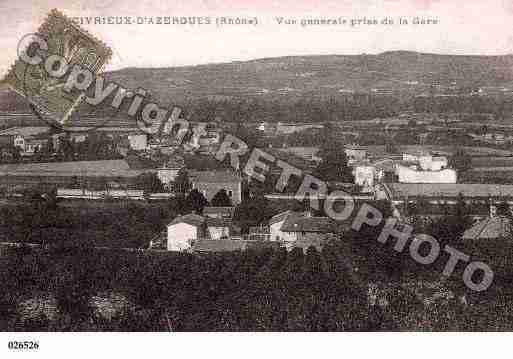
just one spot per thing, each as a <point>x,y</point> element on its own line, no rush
<point>120,164</point>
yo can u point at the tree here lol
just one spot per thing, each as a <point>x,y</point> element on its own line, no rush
<point>461,161</point>
<point>333,166</point>
<point>503,209</point>
<point>149,183</point>
<point>252,211</point>
<point>221,199</point>
<point>197,201</point>
<point>48,148</point>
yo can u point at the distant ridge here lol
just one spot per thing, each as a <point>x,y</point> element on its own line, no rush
<point>292,76</point>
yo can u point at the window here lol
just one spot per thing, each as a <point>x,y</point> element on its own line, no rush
<point>230,193</point>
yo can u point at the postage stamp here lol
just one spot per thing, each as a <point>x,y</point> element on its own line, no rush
<point>45,93</point>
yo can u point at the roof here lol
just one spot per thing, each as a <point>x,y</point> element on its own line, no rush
<point>214,177</point>
<point>298,223</point>
<point>25,131</point>
<point>489,228</point>
<point>279,217</point>
<point>355,147</point>
<point>387,165</point>
<point>417,152</point>
<point>104,168</point>
<point>492,169</point>
<point>450,190</point>
<point>192,219</point>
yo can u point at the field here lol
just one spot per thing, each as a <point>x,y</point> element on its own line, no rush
<point>121,224</point>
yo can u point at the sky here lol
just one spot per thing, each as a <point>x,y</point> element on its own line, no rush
<point>464,27</point>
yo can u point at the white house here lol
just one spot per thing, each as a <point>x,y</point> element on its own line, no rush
<point>138,141</point>
<point>364,174</point>
<point>432,163</point>
<point>355,153</point>
<point>275,224</point>
<point>183,231</point>
<point>19,141</point>
<point>218,228</point>
<point>412,175</point>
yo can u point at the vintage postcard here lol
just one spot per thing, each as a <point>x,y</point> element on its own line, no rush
<point>240,166</point>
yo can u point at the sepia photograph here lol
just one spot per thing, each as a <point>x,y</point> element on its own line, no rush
<point>223,175</point>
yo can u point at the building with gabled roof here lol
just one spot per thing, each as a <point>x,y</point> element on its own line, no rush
<point>302,229</point>
<point>184,231</point>
<point>493,227</point>
<point>211,182</point>
<point>451,190</point>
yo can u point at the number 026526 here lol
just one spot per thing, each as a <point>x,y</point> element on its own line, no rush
<point>25,345</point>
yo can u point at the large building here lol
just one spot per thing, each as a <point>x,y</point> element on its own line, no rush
<point>211,182</point>
<point>28,140</point>
<point>301,229</point>
<point>414,175</point>
<point>438,198</point>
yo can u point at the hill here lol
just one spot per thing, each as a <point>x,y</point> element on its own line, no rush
<point>286,78</point>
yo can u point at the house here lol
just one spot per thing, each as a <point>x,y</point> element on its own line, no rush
<point>419,166</point>
<point>208,143</point>
<point>355,153</point>
<point>168,172</point>
<point>492,227</point>
<point>364,174</point>
<point>35,144</point>
<point>433,163</point>
<point>28,139</point>
<point>275,224</point>
<point>185,230</point>
<point>218,228</point>
<point>309,154</point>
<point>479,197</point>
<point>413,175</point>
<point>262,126</point>
<point>211,182</point>
<point>301,229</point>
<point>138,141</point>
<point>266,128</point>
<point>259,233</point>
<point>416,155</point>
<point>385,170</point>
